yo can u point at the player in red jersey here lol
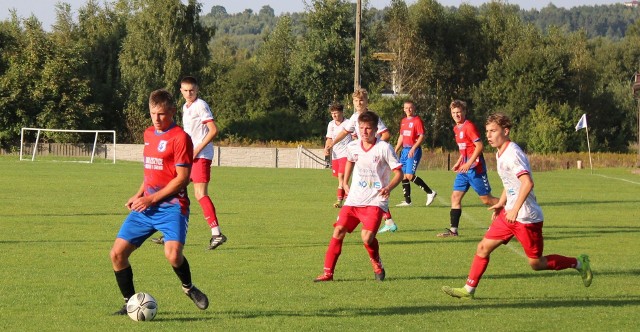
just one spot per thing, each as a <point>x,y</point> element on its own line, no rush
<point>376,171</point>
<point>470,167</point>
<point>410,151</point>
<point>517,213</point>
<point>161,203</point>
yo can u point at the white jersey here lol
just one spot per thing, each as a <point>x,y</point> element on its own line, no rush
<point>194,121</point>
<point>339,150</point>
<point>511,164</point>
<point>351,126</point>
<point>371,172</point>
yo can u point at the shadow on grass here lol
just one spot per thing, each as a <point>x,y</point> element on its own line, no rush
<point>584,202</point>
<point>485,303</point>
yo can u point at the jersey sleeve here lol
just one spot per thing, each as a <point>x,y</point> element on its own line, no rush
<point>472,132</point>
<point>183,150</point>
<point>419,126</point>
<point>391,158</point>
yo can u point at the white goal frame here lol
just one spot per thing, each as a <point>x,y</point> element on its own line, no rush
<point>39,130</point>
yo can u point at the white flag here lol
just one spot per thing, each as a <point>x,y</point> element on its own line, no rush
<point>582,123</point>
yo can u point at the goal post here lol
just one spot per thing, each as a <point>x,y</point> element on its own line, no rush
<point>38,131</point>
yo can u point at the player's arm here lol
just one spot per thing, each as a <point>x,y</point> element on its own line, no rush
<point>399,145</point>
<point>499,205</point>
<point>175,185</point>
<point>456,166</point>
<point>385,136</point>
<point>327,146</point>
<point>476,153</point>
<point>341,135</point>
<point>211,135</point>
<point>416,145</point>
<point>526,185</point>
<point>395,180</point>
<point>137,195</point>
<point>348,169</point>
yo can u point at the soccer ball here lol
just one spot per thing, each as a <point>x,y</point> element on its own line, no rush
<point>141,307</point>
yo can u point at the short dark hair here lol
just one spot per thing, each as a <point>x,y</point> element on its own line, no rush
<point>162,98</point>
<point>500,119</point>
<point>336,107</point>
<point>369,117</point>
<point>189,80</point>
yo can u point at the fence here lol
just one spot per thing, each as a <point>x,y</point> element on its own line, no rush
<point>301,157</point>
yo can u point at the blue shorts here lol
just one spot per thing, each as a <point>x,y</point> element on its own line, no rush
<point>410,165</point>
<point>479,181</point>
<point>139,226</point>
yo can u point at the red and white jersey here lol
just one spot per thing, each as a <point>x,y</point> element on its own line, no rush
<point>162,153</point>
<point>339,150</point>
<point>411,128</point>
<point>371,172</point>
<point>511,164</point>
<point>466,135</point>
<point>351,126</point>
<point>195,119</point>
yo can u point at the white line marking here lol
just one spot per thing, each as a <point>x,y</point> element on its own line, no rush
<point>610,177</point>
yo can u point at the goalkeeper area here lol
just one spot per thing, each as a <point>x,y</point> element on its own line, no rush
<point>83,146</point>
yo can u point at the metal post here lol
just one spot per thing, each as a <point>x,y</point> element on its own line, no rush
<point>356,76</point>
<point>636,94</point>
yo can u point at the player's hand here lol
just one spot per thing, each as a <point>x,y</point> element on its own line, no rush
<point>511,216</point>
<point>140,204</point>
<point>464,168</point>
<point>496,210</point>
<point>384,192</point>
<point>345,187</point>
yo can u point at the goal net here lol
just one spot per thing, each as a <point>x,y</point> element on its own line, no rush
<point>84,146</point>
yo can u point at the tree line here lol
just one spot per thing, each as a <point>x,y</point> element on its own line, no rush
<point>95,71</point>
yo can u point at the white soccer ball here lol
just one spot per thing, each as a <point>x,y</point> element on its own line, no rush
<point>141,307</point>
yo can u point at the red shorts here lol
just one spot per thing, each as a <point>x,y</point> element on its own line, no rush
<point>529,235</point>
<point>350,216</point>
<point>201,170</point>
<point>338,165</point>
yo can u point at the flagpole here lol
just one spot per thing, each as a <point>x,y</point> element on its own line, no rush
<point>589,147</point>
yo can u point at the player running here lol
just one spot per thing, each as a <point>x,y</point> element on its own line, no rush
<point>517,213</point>
<point>376,171</point>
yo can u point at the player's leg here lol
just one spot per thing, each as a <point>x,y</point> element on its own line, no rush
<point>410,174</point>
<point>123,272</point>
<point>338,166</point>
<point>478,267</point>
<point>134,230</point>
<point>173,225</point>
<point>201,176</point>
<point>346,223</point>
<point>371,218</point>
<point>389,224</point>
<point>460,186</point>
<point>499,233</point>
<point>530,236</point>
<point>406,183</point>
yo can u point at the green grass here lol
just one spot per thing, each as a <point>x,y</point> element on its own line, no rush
<point>58,221</point>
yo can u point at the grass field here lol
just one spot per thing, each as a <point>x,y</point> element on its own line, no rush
<point>58,221</point>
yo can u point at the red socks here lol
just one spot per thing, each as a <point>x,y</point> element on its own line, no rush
<point>331,258</point>
<point>478,267</point>
<point>557,262</point>
<point>209,211</point>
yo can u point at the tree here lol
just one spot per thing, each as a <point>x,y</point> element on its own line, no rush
<point>164,41</point>
<point>322,68</point>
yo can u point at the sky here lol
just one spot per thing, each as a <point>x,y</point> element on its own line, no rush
<point>44,10</point>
